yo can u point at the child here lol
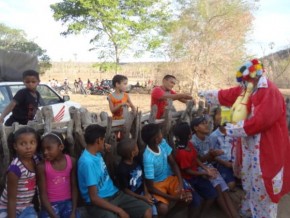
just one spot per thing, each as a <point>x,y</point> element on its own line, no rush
<point>20,187</point>
<point>26,101</point>
<point>219,140</point>
<point>186,157</point>
<point>201,142</point>
<point>96,186</point>
<point>130,173</point>
<point>57,179</point>
<point>119,98</point>
<point>158,163</point>
<point>160,94</point>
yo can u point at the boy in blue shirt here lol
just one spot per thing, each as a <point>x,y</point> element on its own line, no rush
<point>158,162</point>
<point>96,186</point>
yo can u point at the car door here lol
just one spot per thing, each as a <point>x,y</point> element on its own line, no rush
<point>48,97</point>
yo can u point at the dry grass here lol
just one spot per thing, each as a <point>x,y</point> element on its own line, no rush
<point>99,103</point>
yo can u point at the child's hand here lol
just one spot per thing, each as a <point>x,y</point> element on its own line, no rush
<point>148,199</point>
<point>216,152</point>
<point>125,104</point>
<point>212,173</point>
<point>122,214</point>
<point>185,196</point>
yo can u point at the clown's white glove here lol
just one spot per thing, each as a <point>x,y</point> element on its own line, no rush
<point>236,130</point>
<point>210,96</point>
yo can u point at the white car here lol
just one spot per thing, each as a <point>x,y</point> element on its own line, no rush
<point>60,105</point>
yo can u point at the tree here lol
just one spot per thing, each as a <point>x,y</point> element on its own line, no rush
<point>209,40</point>
<point>16,39</point>
<point>117,25</point>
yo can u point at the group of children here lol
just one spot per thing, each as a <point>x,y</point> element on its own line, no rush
<point>195,172</point>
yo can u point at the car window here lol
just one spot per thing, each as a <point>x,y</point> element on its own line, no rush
<point>48,96</point>
<point>4,98</point>
<point>16,88</point>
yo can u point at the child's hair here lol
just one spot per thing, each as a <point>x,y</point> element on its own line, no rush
<point>13,137</point>
<point>118,79</point>
<point>93,132</point>
<point>30,73</point>
<point>149,132</point>
<point>168,76</point>
<point>213,113</point>
<point>125,148</point>
<point>54,137</point>
<point>182,132</point>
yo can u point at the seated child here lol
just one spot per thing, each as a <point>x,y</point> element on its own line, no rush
<point>57,179</point>
<point>186,158</point>
<point>201,142</point>
<point>16,199</point>
<point>219,140</point>
<point>119,98</point>
<point>158,165</point>
<point>130,173</point>
<point>96,186</point>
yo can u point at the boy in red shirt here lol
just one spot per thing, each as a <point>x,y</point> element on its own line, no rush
<point>160,94</point>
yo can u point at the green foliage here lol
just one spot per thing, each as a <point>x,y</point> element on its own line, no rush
<point>209,39</point>
<point>16,39</point>
<point>118,25</point>
<point>106,67</point>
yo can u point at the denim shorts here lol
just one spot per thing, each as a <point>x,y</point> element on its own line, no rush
<point>28,212</point>
<point>62,209</point>
<point>226,172</point>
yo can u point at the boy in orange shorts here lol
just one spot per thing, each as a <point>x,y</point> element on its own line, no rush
<point>158,166</point>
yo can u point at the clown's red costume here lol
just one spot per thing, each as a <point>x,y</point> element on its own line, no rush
<point>265,146</point>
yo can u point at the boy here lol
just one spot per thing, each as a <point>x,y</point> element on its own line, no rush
<point>219,140</point>
<point>158,165</point>
<point>130,173</point>
<point>26,101</point>
<point>119,98</point>
<point>206,154</point>
<point>96,186</point>
<point>160,94</point>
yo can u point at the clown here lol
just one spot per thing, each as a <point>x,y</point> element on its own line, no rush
<point>259,120</point>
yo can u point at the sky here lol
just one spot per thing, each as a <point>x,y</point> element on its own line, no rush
<point>271,25</point>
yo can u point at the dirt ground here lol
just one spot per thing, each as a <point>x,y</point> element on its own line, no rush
<point>99,103</point>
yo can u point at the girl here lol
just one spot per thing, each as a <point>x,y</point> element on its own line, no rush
<point>20,187</point>
<point>119,98</point>
<point>57,179</point>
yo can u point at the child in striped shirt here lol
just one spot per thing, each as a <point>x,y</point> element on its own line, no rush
<point>20,187</point>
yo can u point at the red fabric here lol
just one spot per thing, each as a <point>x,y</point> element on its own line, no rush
<point>156,94</point>
<point>269,119</point>
<point>186,159</point>
<point>227,97</point>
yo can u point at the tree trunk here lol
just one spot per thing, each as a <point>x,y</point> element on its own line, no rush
<point>117,58</point>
